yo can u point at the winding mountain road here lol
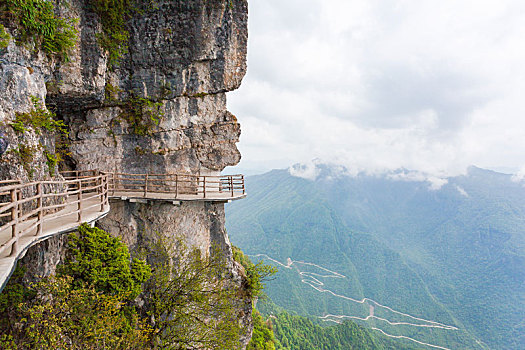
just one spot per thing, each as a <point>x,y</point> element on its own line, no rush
<point>312,279</point>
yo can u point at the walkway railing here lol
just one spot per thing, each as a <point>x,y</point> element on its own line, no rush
<point>32,209</point>
<point>169,186</point>
<point>32,212</point>
<point>176,186</point>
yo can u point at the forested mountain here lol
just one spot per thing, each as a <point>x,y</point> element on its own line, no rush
<point>442,266</point>
<point>283,330</point>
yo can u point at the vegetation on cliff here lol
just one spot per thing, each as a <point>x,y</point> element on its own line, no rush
<point>102,298</point>
<point>39,118</point>
<point>37,22</point>
<point>190,299</point>
<point>263,337</point>
<point>41,121</point>
<point>113,16</point>
<point>256,274</point>
<point>87,305</point>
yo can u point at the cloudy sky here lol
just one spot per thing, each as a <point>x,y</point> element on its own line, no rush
<point>428,85</point>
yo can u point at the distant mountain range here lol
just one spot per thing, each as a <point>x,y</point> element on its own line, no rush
<point>437,264</point>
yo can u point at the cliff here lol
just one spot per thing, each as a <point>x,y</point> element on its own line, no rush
<point>158,108</point>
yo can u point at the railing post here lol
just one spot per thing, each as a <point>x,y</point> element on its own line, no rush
<point>107,190</point>
<point>204,186</point>
<point>14,218</point>
<point>243,188</point>
<point>231,184</point>
<point>102,192</point>
<point>176,185</point>
<point>146,186</point>
<point>79,206</point>
<point>113,184</point>
<point>40,211</point>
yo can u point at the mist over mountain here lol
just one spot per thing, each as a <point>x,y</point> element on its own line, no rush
<point>437,260</point>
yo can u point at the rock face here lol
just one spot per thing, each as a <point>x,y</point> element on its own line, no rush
<point>183,56</point>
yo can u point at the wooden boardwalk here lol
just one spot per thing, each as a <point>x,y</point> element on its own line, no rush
<point>33,212</point>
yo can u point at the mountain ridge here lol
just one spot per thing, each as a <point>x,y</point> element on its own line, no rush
<point>464,250</point>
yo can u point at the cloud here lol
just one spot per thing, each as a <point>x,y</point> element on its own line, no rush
<point>308,171</point>
<point>381,85</point>
<point>462,191</point>
<point>519,176</point>
<point>435,183</point>
<point>317,169</point>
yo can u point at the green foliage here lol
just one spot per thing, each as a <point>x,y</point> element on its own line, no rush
<point>111,92</point>
<point>142,115</point>
<point>99,260</point>
<point>37,21</point>
<point>63,316</point>
<point>13,294</point>
<point>140,151</point>
<point>39,118</point>
<point>262,337</point>
<point>200,94</point>
<point>89,312</point>
<point>255,273</point>
<point>297,332</point>
<point>428,253</point>
<point>26,154</point>
<point>52,160</point>
<point>191,299</point>
<point>113,16</point>
<point>4,37</point>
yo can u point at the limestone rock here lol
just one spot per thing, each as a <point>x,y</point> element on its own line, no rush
<point>183,56</point>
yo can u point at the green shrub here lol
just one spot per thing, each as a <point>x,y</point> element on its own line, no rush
<point>26,154</point>
<point>190,301</point>
<point>113,16</point>
<point>111,92</point>
<point>142,115</point>
<point>99,260</point>
<point>255,273</point>
<point>4,38</point>
<point>39,118</point>
<point>37,21</point>
<point>52,160</point>
<point>13,294</point>
<point>262,336</point>
<point>191,298</point>
<point>62,316</point>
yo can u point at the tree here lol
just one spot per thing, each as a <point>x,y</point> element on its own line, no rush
<point>191,299</point>
<point>97,259</point>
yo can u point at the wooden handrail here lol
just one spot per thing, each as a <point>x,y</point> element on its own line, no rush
<point>30,206</point>
<point>180,185</point>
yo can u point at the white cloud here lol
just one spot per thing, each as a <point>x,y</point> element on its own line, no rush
<point>520,175</point>
<point>434,182</point>
<point>433,86</point>
<point>462,191</point>
<point>307,171</point>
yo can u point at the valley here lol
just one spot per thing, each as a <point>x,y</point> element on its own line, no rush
<point>314,280</point>
<point>440,266</point>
